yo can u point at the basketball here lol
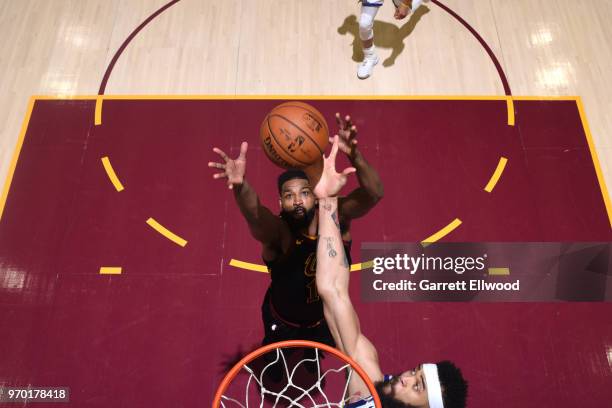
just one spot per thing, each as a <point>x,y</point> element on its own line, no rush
<point>294,135</point>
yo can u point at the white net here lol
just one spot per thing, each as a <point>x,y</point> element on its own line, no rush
<point>278,380</point>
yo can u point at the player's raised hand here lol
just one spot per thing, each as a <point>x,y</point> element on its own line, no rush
<point>347,132</point>
<point>331,182</point>
<point>402,10</point>
<point>232,169</point>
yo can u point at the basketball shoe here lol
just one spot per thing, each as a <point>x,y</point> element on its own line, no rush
<point>367,65</point>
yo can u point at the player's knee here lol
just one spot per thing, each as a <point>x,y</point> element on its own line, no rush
<point>366,27</point>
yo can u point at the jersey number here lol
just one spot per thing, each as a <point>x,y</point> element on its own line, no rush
<point>313,295</point>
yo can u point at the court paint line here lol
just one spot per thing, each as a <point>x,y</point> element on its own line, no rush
<point>362,266</point>
<point>501,165</point>
<point>110,172</point>
<point>110,270</point>
<point>98,111</point>
<point>483,43</point>
<point>306,97</point>
<point>499,271</point>
<point>16,152</point>
<point>442,233</point>
<point>248,266</point>
<point>127,41</point>
<point>166,232</point>
<point>510,107</point>
<point>286,97</point>
<point>545,98</point>
<point>577,99</point>
<point>595,159</point>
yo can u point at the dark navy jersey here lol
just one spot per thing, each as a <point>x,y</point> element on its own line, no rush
<point>293,289</point>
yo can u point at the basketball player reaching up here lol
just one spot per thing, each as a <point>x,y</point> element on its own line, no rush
<point>291,308</point>
<point>438,385</point>
<point>369,9</point>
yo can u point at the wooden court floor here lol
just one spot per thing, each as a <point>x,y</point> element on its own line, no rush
<point>62,48</point>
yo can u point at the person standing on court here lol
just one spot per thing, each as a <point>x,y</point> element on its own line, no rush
<point>291,308</point>
<point>369,9</point>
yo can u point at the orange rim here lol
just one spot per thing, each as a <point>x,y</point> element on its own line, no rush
<point>289,344</point>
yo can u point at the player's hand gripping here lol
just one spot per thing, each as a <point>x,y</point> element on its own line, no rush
<point>232,170</point>
<point>331,182</point>
<point>403,10</point>
<point>347,133</point>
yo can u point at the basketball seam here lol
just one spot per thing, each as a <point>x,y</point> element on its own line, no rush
<point>279,143</point>
<point>300,129</point>
<point>267,120</point>
<point>312,113</point>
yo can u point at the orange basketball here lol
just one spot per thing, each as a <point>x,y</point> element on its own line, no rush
<point>294,135</point>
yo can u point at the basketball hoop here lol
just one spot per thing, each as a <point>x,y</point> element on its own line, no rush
<point>303,382</point>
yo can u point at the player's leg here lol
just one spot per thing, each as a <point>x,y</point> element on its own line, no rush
<point>271,325</point>
<point>416,4</point>
<point>369,9</point>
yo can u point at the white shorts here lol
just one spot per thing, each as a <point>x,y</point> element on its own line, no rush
<point>378,3</point>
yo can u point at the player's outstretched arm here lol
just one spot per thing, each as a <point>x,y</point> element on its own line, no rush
<point>332,276</point>
<point>264,226</point>
<point>332,279</point>
<point>370,190</point>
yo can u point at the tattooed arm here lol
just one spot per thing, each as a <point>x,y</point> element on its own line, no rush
<point>333,287</point>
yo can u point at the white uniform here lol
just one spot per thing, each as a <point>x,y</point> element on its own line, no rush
<point>373,3</point>
<point>369,9</point>
<point>378,3</point>
<point>367,402</point>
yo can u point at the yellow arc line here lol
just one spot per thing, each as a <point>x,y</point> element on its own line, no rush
<point>98,112</point>
<point>501,165</point>
<point>166,233</point>
<point>362,266</point>
<point>442,233</point>
<point>110,270</point>
<point>510,106</point>
<point>248,266</point>
<point>499,271</point>
<point>305,97</point>
<point>110,172</point>
<point>16,152</point>
<point>600,177</point>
